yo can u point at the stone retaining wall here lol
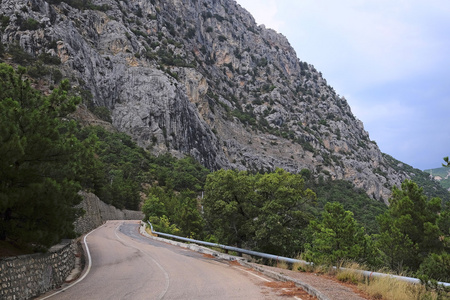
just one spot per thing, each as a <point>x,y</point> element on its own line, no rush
<point>97,212</point>
<point>26,276</point>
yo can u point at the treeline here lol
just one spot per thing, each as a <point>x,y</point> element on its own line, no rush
<point>413,236</point>
<point>277,213</point>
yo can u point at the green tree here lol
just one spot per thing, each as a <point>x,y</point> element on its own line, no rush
<point>436,266</point>
<point>163,224</point>
<point>409,229</point>
<point>120,167</point>
<point>364,208</point>
<point>181,208</point>
<point>188,217</point>
<point>282,202</point>
<point>230,206</point>
<point>41,162</point>
<point>153,206</point>
<point>395,245</point>
<point>266,212</point>
<point>337,237</point>
<point>188,174</point>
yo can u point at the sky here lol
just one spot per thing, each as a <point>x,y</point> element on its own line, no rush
<point>390,59</point>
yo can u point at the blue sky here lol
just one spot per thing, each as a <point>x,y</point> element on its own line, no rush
<point>389,58</point>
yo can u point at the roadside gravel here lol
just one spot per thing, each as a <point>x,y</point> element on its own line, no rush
<point>317,285</point>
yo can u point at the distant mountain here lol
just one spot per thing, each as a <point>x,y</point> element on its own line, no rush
<point>431,187</point>
<point>199,78</point>
<point>441,175</point>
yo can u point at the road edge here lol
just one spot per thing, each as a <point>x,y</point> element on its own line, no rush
<point>83,272</point>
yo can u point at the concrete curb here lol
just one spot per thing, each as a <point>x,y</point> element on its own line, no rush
<point>271,274</point>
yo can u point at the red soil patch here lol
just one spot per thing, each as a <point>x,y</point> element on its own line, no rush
<point>235,263</point>
<point>208,255</point>
<point>289,288</point>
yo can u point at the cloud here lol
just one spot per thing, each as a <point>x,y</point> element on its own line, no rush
<point>265,12</point>
<point>382,111</point>
<point>377,40</point>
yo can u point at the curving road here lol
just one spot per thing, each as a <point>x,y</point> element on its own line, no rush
<point>126,265</point>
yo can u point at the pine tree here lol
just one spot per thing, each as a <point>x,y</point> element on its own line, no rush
<point>409,229</point>
<point>337,237</point>
<point>40,162</point>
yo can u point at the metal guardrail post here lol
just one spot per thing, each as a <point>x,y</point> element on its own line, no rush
<point>287,259</point>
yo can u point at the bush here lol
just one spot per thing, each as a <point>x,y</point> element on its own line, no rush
<point>57,75</point>
<point>4,21</point>
<point>436,266</point>
<point>38,71</point>
<point>162,224</point>
<point>30,24</point>
<point>190,33</point>
<point>20,56</point>
<point>103,113</point>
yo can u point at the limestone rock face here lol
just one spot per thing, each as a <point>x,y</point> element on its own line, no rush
<point>200,78</point>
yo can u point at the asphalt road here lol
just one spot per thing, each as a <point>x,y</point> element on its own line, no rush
<point>126,265</point>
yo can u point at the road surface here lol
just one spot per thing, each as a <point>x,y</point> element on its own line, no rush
<point>126,265</point>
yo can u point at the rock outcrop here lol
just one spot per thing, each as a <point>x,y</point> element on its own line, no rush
<point>199,77</point>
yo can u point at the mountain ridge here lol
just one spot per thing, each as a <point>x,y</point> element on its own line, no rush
<point>441,175</point>
<point>200,78</point>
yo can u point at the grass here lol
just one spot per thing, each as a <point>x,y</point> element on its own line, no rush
<point>392,289</point>
<point>383,288</point>
<point>148,230</point>
<point>282,265</point>
<point>347,273</point>
<point>309,267</point>
<point>386,288</point>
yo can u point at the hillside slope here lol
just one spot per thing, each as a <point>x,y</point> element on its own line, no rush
<point>441,175</point>
<point>199,77</point>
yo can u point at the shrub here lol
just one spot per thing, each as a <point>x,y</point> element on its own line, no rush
<point>103,113</point>
<point>49,59</point>
<point>20,56</point>
<point>30,24</point>
<point>4,21</point>
<point>436,266</point>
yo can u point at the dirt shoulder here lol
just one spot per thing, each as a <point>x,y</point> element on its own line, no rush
<point>323,287</point>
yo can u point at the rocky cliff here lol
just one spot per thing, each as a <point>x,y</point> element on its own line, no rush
<point>199,77</point>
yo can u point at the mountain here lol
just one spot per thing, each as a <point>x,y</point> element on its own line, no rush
<point>199,78</point>
<point>431,187</point>
<point>441,175</point>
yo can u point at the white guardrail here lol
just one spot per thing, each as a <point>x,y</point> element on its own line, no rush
<point>368,274</point>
